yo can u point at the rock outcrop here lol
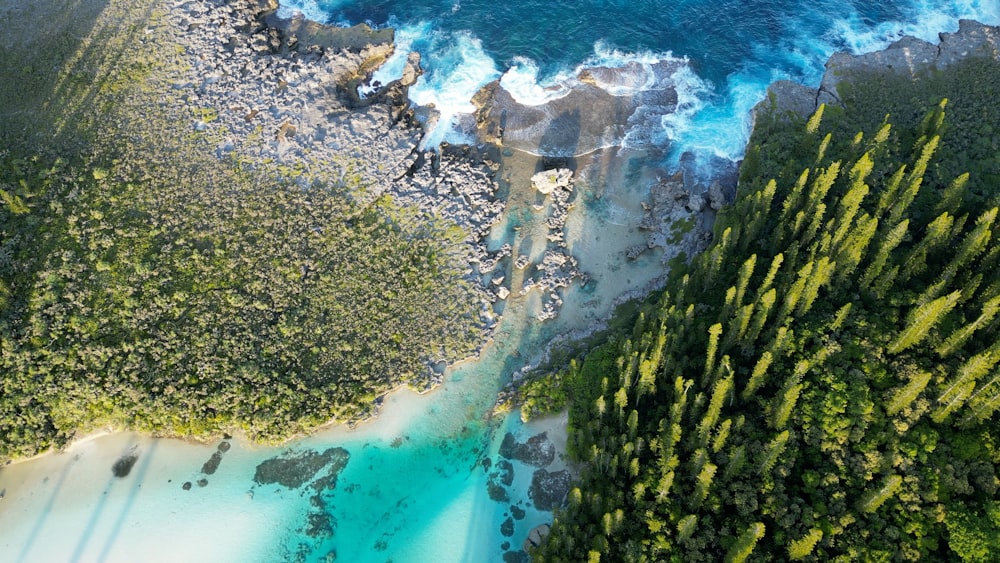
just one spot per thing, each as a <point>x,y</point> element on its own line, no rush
<point>906,57</point>
<point>597,109</point>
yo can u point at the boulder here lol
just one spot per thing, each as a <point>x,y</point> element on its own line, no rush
<point>548,181</point>
<point>536,535</point>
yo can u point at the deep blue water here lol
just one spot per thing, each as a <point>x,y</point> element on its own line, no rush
<point>733,48</point>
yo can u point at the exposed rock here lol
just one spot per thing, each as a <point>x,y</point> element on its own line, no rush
<point>548,490</point>
<point>536,535</point>
<point>301,33</point>
<point>538,451</point>
<point>594,110</point>
<point>548,181</point>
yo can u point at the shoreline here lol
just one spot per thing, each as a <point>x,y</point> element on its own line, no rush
<point>484,179</point>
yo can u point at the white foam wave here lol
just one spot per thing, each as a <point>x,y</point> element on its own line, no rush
<point>406,40</point>
<point>522,81</point>
<point>927,21</point>
<point>457,67</point>
<point>308,8</point>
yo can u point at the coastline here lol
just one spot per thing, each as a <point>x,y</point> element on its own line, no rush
<point>449,180</point>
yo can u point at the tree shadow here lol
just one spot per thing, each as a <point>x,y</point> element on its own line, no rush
<point>559,143</point>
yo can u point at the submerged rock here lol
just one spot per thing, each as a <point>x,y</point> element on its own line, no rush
<point>548,490</point>
<point>123,465</point>
<point>294,469</point>
<point>507,528</point>
<point>212,464</point>
<point>538,451</point>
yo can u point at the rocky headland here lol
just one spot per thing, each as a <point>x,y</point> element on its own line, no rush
<point>906,57</point>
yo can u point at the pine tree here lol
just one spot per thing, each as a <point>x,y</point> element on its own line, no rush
<point>820,277</point>
<point>803,547</point>
<point>888,244</point>
<point>757,376</point>
<point>854,246</point>
<point>703,483</point>
<point>745,544</point>
<point>840,317</point>
<point>913,182</point>
<point>772,452</point>
<point>849,204</point>
<point>904,396</point>
<point>722,435</point>
<point>784,404</point>
<point>759,318</point>
<point>872,500</point>
<point>794,294</point>
<point>960,387</point>
<point>938,233</point>
<point>951,198</point>
<point>712,349</point>
<point>986,400</point>
<point>686,527</point>
<point>746,272</point>
<point>737,460</point>
<point>765,285</point>
<point>721,393</point>
<point>958,338</point>
<point>973,244</point>
<point>921,320</point>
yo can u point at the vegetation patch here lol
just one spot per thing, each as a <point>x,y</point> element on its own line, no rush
<point>147,284</point>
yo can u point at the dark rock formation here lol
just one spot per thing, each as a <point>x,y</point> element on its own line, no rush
<point>294,469</point>
<point>536,535</point>
<point>538,451</point>
<point>212,464</point>
<point>517,512</point>
<point>507,528</point>
<point>548,490</point>
<point>123,465</point>
<point>498,481</point>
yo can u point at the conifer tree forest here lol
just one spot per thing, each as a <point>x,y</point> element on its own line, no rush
<point>823,382</point>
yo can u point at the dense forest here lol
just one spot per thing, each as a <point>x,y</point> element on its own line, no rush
<point>147,284</point>
<point>823,382</point>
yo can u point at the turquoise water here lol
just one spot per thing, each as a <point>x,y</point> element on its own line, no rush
<point>415,487</point>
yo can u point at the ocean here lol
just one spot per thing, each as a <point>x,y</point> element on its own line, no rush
<point>426,482</point>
